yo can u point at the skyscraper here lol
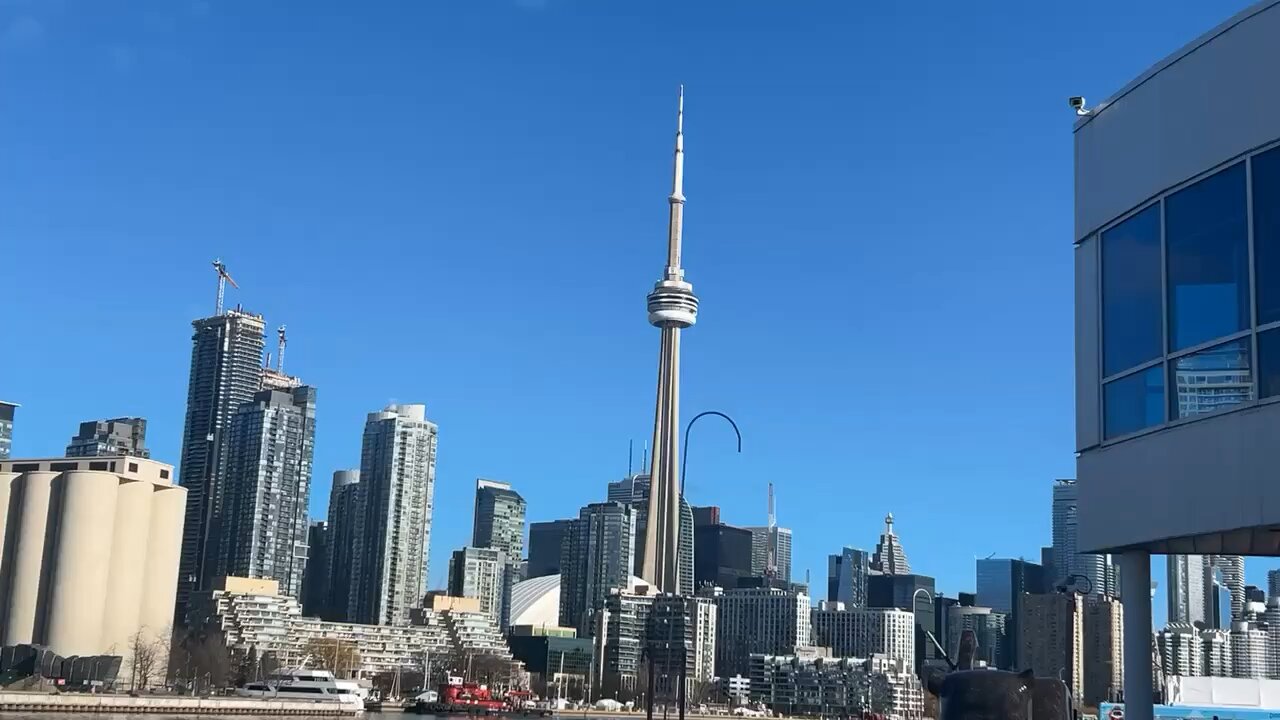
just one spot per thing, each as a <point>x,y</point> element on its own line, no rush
<point>481,573</point>
<point>6,428</point>
<point>889,557</point>
<point>721,555</point>
<point>771,541</point>
<point>499,519</point>
<point>1052,642</point>
<point>117,436</point>
<point>620,637</point>
<point>1216,652</point>
<point>1254,594</point>
<point>1068,562</point>
<point>1181,650</point>
<point>706,515</point>
<point>634,490</point>
<point>989,629</point>
<point>1271,616</point>
<point>1050,571</point>
<point>1219,602</point>
<point>681,642</point>
<point>1232,569</point>
<point>226,372</point>
<point>861,632</point>
<point>1103,649</point>
<point>598,555</point>
<point>672,307</point>
<point>397,485</point>
<point>346,525</point>
<point>261,522</point>
<point>1248,651</point>
<point>546,541</point>
<point>1187,580</point>
<point>318,574</point>
<point>1002,585</point>
<point>847,577</point>
<point>498,523</point>
<point>942,621</point>
<point>772,621</point>
<point>908,592</point>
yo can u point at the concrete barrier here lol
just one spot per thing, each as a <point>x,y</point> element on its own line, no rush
<point>34,702</point>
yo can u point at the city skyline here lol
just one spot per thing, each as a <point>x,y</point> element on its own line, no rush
<point>465,403</point>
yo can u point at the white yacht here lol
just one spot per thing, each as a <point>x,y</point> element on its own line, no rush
<point>301,684</point>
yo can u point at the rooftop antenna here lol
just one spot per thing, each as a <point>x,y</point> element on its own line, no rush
<point>644,456</point>
<point>631,451</point>
<point>223,278</point>
<point>280,354</point>
<point>773,514</point>
<point>771,562</point>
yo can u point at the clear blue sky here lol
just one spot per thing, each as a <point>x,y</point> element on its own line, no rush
<point>463,204</point>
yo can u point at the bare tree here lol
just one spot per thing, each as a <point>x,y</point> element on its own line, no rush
<point>268,663</point>
<point>337,656</point>
<point>143,659</point>
<point>702,691</point>
<point>200,659</point>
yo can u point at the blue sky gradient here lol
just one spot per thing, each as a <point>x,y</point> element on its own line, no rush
<point>463,204</point>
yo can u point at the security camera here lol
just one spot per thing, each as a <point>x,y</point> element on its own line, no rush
<point>1077,102</point>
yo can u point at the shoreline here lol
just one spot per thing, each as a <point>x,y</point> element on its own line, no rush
<point>44,702</point>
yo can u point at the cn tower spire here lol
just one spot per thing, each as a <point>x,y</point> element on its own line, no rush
<point>675,225</point>
<point>672,307</point>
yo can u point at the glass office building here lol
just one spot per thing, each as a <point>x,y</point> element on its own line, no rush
<point>1177,266</point>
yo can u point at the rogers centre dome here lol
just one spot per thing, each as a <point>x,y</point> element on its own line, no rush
<point>536,601</point>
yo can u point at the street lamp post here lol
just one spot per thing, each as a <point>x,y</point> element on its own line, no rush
<point>919,630</point>
<point>684,460</point>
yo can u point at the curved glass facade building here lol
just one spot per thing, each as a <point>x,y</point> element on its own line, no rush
<point>1177,252</point>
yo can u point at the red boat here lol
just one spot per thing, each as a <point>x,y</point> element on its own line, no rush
<point>470,695</point>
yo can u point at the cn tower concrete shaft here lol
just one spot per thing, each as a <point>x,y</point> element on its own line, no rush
<point>672,307</point>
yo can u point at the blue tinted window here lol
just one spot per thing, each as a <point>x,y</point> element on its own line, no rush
<point>1131,326</point>
<point>1133,402</point>
<point>1211,379</point>
<point>1266,234</point>
<point>1269,363</point>
<point>1207,246</point>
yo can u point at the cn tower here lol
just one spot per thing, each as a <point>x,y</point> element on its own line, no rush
<point>672,307</point>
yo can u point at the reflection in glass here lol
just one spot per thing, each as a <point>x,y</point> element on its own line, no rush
<point>1269,363</point>
<point>1131,292</point>
<point>1207,245</point>
<point>1212,379</point>
<point>1133,402</point>
<point>1266,234</point>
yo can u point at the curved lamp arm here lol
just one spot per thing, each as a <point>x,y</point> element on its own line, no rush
<point>684,461</point>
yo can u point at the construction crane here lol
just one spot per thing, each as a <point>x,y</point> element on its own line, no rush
<point>280,354</point>
<point>223,278</point>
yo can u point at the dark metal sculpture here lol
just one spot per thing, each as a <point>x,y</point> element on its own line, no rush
<point>966,693</point>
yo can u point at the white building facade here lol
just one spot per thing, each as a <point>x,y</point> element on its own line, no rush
<point>396,491</point>
<point>862,632</point>
<point>759,620</point>
<point>1181,650</point>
